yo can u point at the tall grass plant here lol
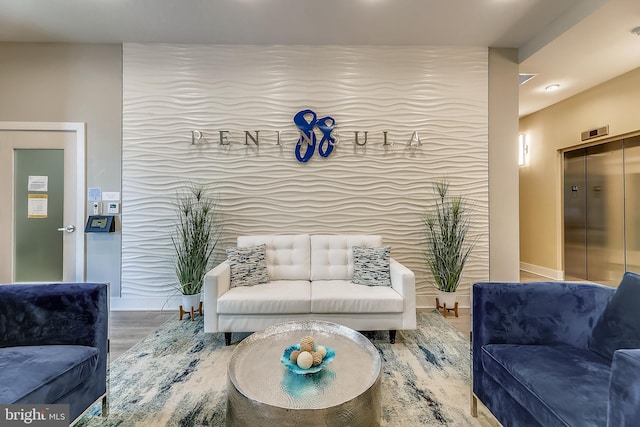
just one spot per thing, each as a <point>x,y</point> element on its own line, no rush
<point>447,244</point>
<point>196,236</point>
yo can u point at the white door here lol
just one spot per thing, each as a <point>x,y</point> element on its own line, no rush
<point>42,204</point>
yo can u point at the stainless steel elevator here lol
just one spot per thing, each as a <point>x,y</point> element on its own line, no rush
<point>602,211</point>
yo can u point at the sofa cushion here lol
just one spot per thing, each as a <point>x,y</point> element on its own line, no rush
<point>371,266</point>
<point>560,385</point>
<point>332,255</point>
<point>275,297</point>
<point>44,373</point>
<point>248,265</point>
<point>619,325</point>
<point>343,296</point>
<point>288,256</point>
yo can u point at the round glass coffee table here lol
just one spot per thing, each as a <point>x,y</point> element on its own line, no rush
<point>261,391</point>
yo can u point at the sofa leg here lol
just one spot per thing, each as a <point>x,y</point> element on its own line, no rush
<point>392,336</point>
<point>105,407</point>
<point>227,338</point>
<point>474,406</point>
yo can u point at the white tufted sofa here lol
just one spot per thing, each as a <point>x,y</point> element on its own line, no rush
<point>310,279</point>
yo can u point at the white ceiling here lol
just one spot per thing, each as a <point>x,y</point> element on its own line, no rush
<point>598,48</point>
<point>576,43</point>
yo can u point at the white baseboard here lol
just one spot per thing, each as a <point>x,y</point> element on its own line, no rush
<point>145,303</point>
<point>542,271</point>
<point>424,301</point>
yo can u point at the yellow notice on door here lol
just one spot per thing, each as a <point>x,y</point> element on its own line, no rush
<point>37,206</point>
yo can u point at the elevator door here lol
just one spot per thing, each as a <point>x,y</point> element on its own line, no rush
<point>632,204</point>
<point>595,213</point>
<point>575,215</point>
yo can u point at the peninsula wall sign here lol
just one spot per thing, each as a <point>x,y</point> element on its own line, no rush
<point>309,129</point>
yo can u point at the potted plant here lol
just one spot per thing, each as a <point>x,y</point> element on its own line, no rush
<point>194,241</point>
<point>447,246</point>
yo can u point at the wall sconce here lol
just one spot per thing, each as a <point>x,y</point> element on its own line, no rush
<point>523,149</point>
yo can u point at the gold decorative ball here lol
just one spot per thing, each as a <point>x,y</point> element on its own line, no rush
<point>294,356</point>
<point>317,358</point>
<point>305,360</point>
<point>322,350</point>
<point>307,344</point>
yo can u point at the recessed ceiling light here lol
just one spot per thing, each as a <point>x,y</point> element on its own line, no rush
<point>552,88</point>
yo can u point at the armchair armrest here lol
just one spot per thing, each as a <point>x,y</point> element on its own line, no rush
<point>216,282</point>
<point>624,389</point>
<point>403,281</point>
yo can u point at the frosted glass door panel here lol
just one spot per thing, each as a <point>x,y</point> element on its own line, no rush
<point>39,203</point>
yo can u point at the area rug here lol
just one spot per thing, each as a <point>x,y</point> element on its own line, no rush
<point>177,377</point>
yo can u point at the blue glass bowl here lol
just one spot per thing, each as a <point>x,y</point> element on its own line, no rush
<point>293,367</point>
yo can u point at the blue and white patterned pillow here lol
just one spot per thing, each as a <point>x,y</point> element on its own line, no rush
<point>371,266</point>
<point>248,265</point>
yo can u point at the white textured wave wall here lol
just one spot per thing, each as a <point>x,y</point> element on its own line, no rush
<point>440,93</point>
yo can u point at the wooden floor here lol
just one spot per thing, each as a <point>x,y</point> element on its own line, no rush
<point>129,327</point>
<point>126,328</point>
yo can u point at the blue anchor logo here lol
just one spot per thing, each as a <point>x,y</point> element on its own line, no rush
<point>306,121</point>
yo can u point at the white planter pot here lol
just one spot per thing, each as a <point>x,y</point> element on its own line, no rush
<point>447,299</point>
<point>189,301</point>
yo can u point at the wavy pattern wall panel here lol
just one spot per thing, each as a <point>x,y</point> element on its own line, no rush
<point>170,90</point>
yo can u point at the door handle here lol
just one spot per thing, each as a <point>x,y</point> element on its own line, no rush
<point>69,228</point>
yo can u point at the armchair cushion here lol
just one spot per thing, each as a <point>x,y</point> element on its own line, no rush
<point>371,266</point>
<point>248,265</point>
<point>554,382</point>
<point>44,373</point>
<point>619,325</point>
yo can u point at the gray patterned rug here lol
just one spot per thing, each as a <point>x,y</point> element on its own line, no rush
<point>177,377</point>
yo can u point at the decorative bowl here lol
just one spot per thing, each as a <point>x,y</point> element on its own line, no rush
<point>293,367</point>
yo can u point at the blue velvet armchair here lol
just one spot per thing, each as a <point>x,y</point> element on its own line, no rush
<point>54,345</point>
<point>557,353</point>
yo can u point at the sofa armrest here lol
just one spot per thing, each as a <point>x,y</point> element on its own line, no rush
<point>48,314</point>
<point>624,389</point>
<point>216,282</point>
<point>403,281</point>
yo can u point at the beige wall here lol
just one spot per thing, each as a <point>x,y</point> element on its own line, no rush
<point>42,82</point>
<point>503,166</point>
<point>615,103</point>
